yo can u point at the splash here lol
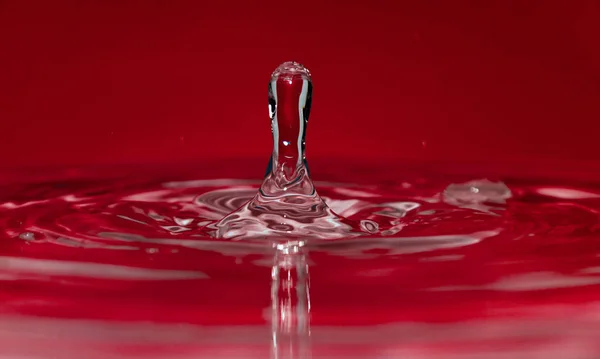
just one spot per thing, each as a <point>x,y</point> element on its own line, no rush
<point>287,204</point>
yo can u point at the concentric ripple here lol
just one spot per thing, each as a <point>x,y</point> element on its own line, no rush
<point>145,214</point>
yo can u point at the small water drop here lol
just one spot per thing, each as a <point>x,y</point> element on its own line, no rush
<point>478,191</point>
<point>27,236</point>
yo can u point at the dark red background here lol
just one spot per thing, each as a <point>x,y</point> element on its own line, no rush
<point>142,81</point>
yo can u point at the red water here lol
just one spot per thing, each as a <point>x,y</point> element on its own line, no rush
<point>115,263</point>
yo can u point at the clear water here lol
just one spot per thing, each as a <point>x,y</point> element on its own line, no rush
<point>385,261</point>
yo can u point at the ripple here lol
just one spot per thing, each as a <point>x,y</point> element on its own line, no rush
<point>18,266</point>
<point>531,282</point>
<point>361,247</point>
<point>183,214</point>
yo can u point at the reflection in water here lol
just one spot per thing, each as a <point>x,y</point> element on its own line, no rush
<point>127,269</point>
<point>290,302</point>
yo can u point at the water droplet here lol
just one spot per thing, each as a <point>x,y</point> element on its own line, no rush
<point>478,191</point>
<point>27,236</point>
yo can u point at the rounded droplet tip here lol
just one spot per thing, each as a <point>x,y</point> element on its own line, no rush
<point>290,70</point>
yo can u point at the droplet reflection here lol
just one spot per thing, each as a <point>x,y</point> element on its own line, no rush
<point>290,302</point>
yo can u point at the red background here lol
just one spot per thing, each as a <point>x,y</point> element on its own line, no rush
<point>146,81</point>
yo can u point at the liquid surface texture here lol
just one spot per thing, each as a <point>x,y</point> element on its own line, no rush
<point>204,261</point>
<point>117,263</point>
